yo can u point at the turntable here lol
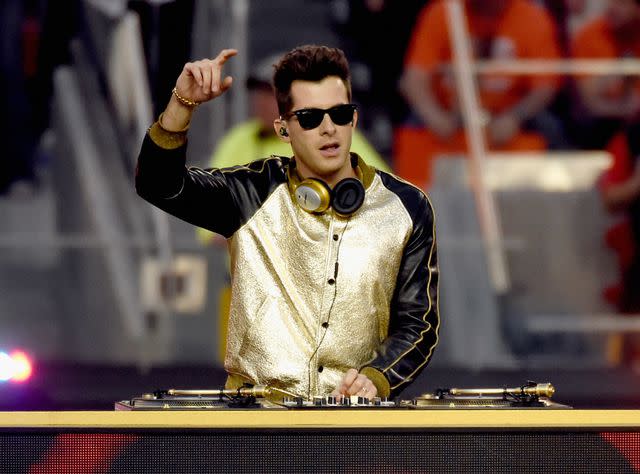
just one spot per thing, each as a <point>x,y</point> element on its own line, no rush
<point>530,395</point>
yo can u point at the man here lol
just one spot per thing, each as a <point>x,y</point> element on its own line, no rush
<point>334,267</point>
<point>253,138</point>
<point>499,29</point>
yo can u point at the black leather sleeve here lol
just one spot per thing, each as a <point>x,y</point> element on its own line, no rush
<point>414,316</point>
<point>220,200</point>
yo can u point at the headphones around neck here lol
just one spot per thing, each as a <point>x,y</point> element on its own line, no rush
<point>316,196</point>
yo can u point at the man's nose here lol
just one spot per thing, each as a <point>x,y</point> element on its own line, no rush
<point>327,125</point>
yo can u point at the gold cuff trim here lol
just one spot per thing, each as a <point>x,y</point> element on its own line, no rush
<point>378,379</point>
<point>167,139</point>
<point>182,130</point>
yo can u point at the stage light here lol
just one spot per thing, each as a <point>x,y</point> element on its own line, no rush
<point>22,367</point>
<point>16,367</point>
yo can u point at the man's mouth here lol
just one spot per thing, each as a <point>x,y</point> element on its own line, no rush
<point>330,149</point>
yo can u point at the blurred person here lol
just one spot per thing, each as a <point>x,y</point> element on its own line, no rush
<point>607,104</point>
<point>166,34</point>
<point>17,174</point>
<point>557,121</point>
<point>499,29</point>
<point>571,15</point>
<point>334,264</point>
<point>620,190</point>
<point>58,26</point>
<point>381,55</point>
<point>609,117</point>
<point>580,12</point>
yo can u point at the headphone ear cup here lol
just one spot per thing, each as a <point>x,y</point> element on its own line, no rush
<point>313,195</point>
<point>347,196</point>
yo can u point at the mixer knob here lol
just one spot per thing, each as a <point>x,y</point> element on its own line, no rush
<point>386,402</point>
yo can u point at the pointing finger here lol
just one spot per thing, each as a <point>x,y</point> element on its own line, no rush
<point>225,54</point>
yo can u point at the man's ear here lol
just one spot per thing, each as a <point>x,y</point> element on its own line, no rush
<point>355,119</point>
<point>280,127</point>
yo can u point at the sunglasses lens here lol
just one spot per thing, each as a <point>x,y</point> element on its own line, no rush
<point>310,118</point>
<point>341,114</point>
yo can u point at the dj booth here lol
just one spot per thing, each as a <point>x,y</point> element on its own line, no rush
<point>350,440</point>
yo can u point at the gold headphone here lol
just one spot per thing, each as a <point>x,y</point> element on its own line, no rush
<point>316,197</point>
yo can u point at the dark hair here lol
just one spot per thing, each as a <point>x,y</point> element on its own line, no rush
<point>308,63</point>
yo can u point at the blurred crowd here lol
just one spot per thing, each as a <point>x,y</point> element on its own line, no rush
<point>26,69</point>
<point>408,91</point>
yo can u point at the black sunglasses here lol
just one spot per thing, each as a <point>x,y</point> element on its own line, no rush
<point>310,118</point>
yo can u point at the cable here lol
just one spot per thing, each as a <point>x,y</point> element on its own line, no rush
<point>333,300</point>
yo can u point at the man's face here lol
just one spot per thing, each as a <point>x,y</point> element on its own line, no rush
<point>323,151</point>
<point>620,13</point>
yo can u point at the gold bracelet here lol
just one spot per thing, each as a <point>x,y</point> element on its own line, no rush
<point>183,100</point>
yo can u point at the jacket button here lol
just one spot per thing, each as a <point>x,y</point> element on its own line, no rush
<point>320,368</point>
<point>335,236</point>
<point>325,324</point>
<point>331,281</point>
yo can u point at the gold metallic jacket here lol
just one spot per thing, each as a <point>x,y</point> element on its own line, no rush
<point>312,295</point>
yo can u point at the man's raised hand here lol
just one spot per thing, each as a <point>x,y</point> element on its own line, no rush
<point>202,80</point>
<point>198,82</point>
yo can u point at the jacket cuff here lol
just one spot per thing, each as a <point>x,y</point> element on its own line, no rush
<point>378,379</point>
<point>165,138</point>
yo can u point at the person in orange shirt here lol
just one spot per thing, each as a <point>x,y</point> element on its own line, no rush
<point>610,117</point>
<point>619,188</point>
<point>500,29</point>
<point>608,104</point>
<point>620,191</point>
